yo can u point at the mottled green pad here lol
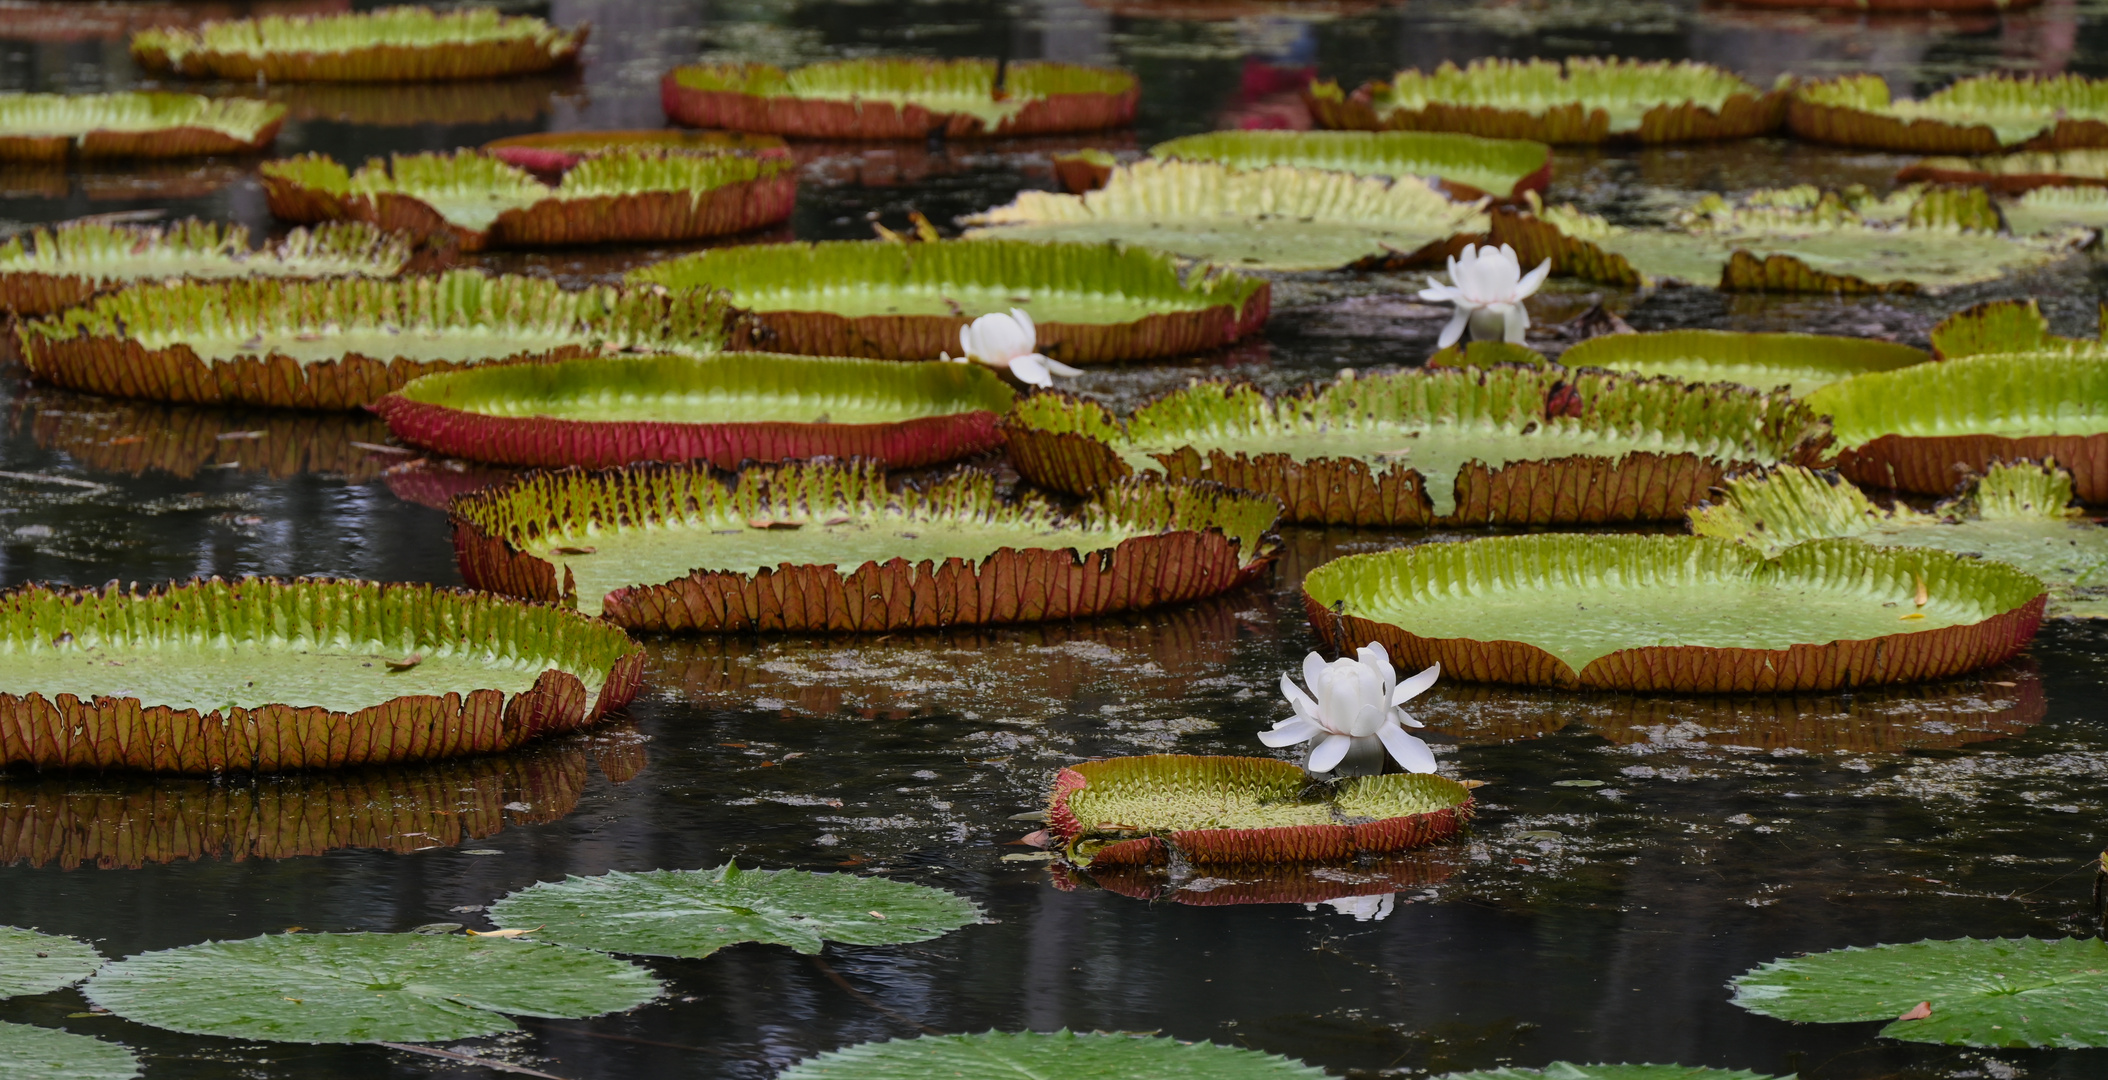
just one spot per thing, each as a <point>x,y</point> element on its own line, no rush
<point>669,550</point>
<point>347,988</point>
<point>694,913</point>
<point>34,963</point>
<point>40,1053</point>
<point>2006,992</point>
<point>191,674</point>
<point>1062,1054</point>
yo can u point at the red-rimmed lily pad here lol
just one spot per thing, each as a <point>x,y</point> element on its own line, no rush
<point>1677,614</point>
<point>266,675</point>
<point>1467,166</point>
<point>1090,303</point>
<point>1452,446</point>
<point>1923,428</point>
<point>395,44</point>
<point>476,200</point>
<point>66,264</point>
<point>341,343</point>
<point>555,151</point>
<point>1982,114</point>
<point>133,124</point>
<point>828,547</point>
<point>726,410</point>
<point>1579,100</point>
<point>1150,809</point>
<point>1797,362</point>
<point>900,98</point>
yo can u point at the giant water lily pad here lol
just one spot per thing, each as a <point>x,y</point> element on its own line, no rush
<point>2019,515</point>
<point>1279,218</point>
<point>1567,1070</point>
<point>1090,303</point>
<point>1067,1054</point>
<point>1982,114</point>
<point>556,151</point>
<point>2005,326</point>
<point>1580,100</point>
<point>828,547</point>
<point>900,98</point>
<point>1799,239</point>
<point>349,988</point>
<point>48,127</point>
<point>1676,613</point>
<point>270,675</point>
<point>477,200</point>
<point>1796,362</point>
<point>341,343</point>
<point>694,913</point>
<point>40,1053</point>
<point>1142,810</point>
<point>725,410</point>
<point>1466,166</point>
<point>1441,445</point>
<point>396,44</point>
<point>34,963</point>
<point>62,266</point>
<point>2051,211</point>
<point>1922,428</point>
<point>2008,992</point>
<point>130,820</point>
<point>2016,173</point>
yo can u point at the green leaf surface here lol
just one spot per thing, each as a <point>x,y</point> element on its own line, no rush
<point>1799,362</point>
<point>104,251</point>
<point>694,913</point>
<point>41,1053</point>
<point>2013,395</point>
<point>2014,108</point>
<point>964,86</point>
<point>345,988</point>
<point>79,114</point>
<point>1055,1055</point>
<point>1493,166</point>
<point>1625,89</point>
<point>1567,1070</point>
<point>2005,992</point>
<point>35,963</point>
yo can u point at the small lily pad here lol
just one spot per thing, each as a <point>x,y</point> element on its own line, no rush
<point>1577,783</point>
<point>41,1053</point>
<point>1567,1070</point>
<point>1066,1054</point>
<point>694,913</point>
<point>2007,992</point>
<point>34,963</point>
<point>347,988</point>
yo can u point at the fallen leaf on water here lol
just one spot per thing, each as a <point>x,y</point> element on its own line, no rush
<point>574,550</point>
<point>1030,856</point>
<point>406,663</point>
<point>1034,839</point>
<point>501,933</point>
<point>1923,1011</point>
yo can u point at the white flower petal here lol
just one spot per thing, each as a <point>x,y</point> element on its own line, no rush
<point>1031,369</point>
<point>1059,368</point>
<point>1314,674</point>
<point>1417,685</point>
<point>1534,280</point>
<point>1025,321</point>
<point>1406,750</point>
<point>1329,753</point>
<point>1454,332</point>
<point>1290,732</point>
<point>1518,324</point>
<point>1305,707</point>
<point>1368,718</point>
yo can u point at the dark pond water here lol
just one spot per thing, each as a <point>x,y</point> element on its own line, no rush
<point>1571,922</point>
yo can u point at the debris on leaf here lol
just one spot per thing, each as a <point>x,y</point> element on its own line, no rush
<point>1922,1011</point>
<point>406,663</point>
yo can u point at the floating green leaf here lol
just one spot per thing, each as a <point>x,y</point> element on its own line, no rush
<point>694,913</point>
<point>47,127</point>
<point>1978,115</point>
<point>34,963</point>
<point>1799,362</point>
<point>41,1053</point>
<point>2013,173</point>
<point>2020,515</point>
<point>900,97</point>
<point>1468,165</point>
<point>2006,992</point>
<point>1567,1070</point>
<point>1064,1054</point>
<point>391,44</point>
<point>345,988</point>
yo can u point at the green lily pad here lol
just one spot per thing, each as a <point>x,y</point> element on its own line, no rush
<point>1981,114</point>
<point>1451,445</point>
<point>67,264</point>
<point>348,988</point>
<point>1676,613</point>
<point>389,45</point>
<point>46,127</point>
<point>1567,1070</point>
<point>1089,303</point>
<point>2006,326</point>
<point>2004,992</point>
<point>1280,218</point>
<point>900,98</point>
<point>1065,1054</point>
<point>2013,173</point>
<point>34,963</point>
<point>41,1053</point>
<point>1579,100</point>
<point>1799,239</point>
<point>1467,165</point>
<point>694,913</point>
<point>2053,211</point>
<point>556,151</point>
<point>1798,362</point>
<point>2020,515</point>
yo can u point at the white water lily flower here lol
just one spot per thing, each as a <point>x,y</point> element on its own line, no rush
<point>1008,343</point>
<point>1364,908</point>
<point>1488,288</point>
<point>1351,715</point>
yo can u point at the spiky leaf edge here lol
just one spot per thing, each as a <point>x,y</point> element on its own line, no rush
<point>1863,125</point>
<point>540,47</point>
<point>42,288</point>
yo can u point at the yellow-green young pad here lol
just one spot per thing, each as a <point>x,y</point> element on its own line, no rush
<point>1797,362</point>
<point>41,1053</point>
<point>1064,1054</point>
<point>1278,218</point>
<point>1492,166</point>
<point>75,116</point>
<point>104,252</point>
<point>2020,515</point>
<point>2011,395</point>
<point>1624,89</point>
